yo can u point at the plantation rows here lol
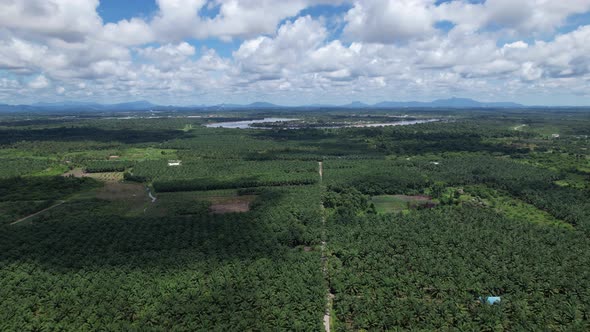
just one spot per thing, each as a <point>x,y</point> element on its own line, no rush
<point>11,167</point>
<point>42,188</point>
<point>224,145</point>
<point>532,184</point>
<point>200,272</point>
<point>13,211</point>
<point>212,174</point>
<point>375,177</point>
<point>100,166</point>
<point>427,271</point>
<point>105,261</point>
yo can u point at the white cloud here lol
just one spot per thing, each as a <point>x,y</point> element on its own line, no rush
<point>389,49</point>
<point>389,21</point>
<point>66,19</point>
<point>521,17</point>
<point>128,32</point>
<point>268,58</point>
<point>40,82</point>
<point>178,19</point>
<point>169,53</point>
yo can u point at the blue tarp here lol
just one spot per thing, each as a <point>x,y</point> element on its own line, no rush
<point>491,300</point>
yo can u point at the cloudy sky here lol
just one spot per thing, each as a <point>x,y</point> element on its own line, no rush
<point>189,52</point>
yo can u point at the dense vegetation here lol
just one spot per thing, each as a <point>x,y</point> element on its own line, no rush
<point>427,270</point>
<point>387,228</point>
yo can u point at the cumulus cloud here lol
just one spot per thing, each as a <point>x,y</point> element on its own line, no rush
<point>522,17</point>
<point>370,50</point>
<point>128,32</point>
<point>66,19</point>
<point>388,21</point>
<point>168,53</point>
<point>39,82</point>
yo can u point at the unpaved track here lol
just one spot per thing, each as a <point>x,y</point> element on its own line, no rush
<point>36,213</point>
<point>329,296</point>
<point>152,197</point>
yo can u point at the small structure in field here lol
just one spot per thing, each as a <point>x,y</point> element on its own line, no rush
<point>113,157</point>
<point>174,162</point>
<point>554,135</point>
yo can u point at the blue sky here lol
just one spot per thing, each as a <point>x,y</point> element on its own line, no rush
<point>189,52</point>
<point>113,11</point>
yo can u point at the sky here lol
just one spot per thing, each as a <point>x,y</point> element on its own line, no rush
<point>295,52</point>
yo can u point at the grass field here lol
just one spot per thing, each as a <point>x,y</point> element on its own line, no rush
<point>509,206</point>
<point>398,203</point>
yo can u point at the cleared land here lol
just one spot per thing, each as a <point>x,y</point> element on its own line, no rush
<point>123,192</point>
<point>221,204</point>
<point>398,203</point>
<point>101,176</point>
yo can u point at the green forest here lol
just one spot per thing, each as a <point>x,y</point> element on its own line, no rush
<point>131,222</point>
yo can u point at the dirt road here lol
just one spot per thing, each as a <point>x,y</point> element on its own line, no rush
<point>36,213</point>
<point>330,296</point>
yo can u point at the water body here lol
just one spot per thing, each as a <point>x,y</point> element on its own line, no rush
<point>245,124</point>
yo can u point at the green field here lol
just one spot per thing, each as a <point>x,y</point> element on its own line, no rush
<point>389,204</point>
<point>131,223</point>
<point>398,203</point>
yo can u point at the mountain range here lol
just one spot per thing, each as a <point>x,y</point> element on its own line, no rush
<point>143,105</point>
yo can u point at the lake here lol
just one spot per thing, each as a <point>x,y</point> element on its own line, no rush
<point>245,124</point>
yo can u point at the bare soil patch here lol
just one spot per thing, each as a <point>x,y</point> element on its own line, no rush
<point>104,176</point>
<point>397,203</point>
<point>234,204</point>
<point>76,172</point>
<point>123,192</point>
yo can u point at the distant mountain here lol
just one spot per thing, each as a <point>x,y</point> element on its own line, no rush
<point>400,104</point>
<point>132,106</point>
<point>447,103</point>
<point>356,104</point>
<point>255,105</point>
<point>260,104</point>
<point>80,106</point>
<point>68,104</point>
<point>466,102</point>
<point>144,105</point>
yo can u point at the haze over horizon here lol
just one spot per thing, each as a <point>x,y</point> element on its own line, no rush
<point>300,52</point>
